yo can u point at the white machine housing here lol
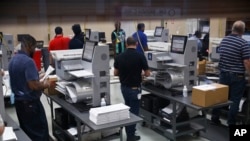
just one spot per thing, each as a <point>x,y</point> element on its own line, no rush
<point>7,47</point>
<point>88,79</point>
<point>173,70</point>
<point>2,106</point>
<point>158,35</point>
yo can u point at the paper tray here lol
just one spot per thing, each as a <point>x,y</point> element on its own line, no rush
<point>81,73</point>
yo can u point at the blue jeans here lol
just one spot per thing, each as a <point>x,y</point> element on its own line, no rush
<point>237,84</point>
<point>130,96</point>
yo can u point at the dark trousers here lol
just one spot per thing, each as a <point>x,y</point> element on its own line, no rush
<point>237,85</point>
<point>32,119</point>
<point>130,96</point>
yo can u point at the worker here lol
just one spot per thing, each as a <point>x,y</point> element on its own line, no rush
<point>27,89</point>
<point>118,37</point>
<point>129,66</point>
<point>234,61</point>
<point>58,43</point>
<point>77,41</point>
<point>197,36</point>
<point>205,46</point>
<point>141,38</point>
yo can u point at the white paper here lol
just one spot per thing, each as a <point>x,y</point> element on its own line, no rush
<point>47,73</point>
<point>205,87</point>
<point>82,73</point>
<point>72,93</point>
<point>9,134</point>
<point>72,131</point>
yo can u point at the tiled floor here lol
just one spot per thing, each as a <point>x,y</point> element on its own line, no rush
<point>116,97</point>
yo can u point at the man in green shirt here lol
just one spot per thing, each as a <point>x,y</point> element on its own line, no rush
<point>118,37</point>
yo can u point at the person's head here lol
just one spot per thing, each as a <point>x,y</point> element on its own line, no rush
<point>58,30</point>
<point>238,27</point>
<point>197,34</point>
<point>117,25</point>
<point>28,44</point>
<point>141,27</point>
<point>77,29</point>
<point>131,42</point>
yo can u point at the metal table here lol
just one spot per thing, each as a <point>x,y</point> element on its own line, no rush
<point>83,118</point>
<point>187,102</point>
<point>21,136</point>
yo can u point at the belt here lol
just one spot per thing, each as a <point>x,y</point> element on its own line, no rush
<point>133,87</point>
<point>26,101</point>
<point>234,73</point>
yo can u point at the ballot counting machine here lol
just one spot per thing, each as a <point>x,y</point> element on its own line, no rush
<point>175,68</point>
<point>158,35</point>
<point>7,48</point>
<point>84,73</point>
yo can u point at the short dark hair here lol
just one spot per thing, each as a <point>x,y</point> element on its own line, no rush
<point>131,41</point>
<point>28,41</point>
<point>76,29</point>
<point>197,33</point>
<point>140,26</point>
<point>58,30</point>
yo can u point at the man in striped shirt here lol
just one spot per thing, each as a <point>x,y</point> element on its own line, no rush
<point>234,61</point>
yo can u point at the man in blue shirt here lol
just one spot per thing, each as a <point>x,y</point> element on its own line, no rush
<point>25,84</point>
<point>234,62</point>
<point>141,38</point>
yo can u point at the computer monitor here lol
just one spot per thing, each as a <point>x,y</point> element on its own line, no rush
<point>88,51</point>
<point>247,38</point>
<point>205,29</point>
<point>39,44</point>
<point>102,37</point>
<point>87,33</point>
<point>158,31</point>
<point>178,44</point>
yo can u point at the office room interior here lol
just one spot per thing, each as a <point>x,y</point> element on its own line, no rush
<point>180,17</point>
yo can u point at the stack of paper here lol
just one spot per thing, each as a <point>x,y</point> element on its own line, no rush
<point>9,135</point>
<point>108,114</point>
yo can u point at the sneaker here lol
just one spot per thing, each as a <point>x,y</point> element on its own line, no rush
<point>134,138</point>
<point>137,137</point>
<point>215,122</point>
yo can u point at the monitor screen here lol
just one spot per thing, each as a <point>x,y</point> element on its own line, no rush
<point>246,37</point>
<point>88,51</point>
<point>178,44</point>
<point>158,31</point>
<point>87,33</point>
<point>102,36</point>
<point>205,29</point>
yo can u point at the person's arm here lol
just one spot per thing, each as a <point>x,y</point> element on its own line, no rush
<point>145,66</point>
<point>145,43</point>
<point>37,85</point>
<point>116,72</point>
<point>113,38</point>
<point>32,77</point>
<point>247,65</point>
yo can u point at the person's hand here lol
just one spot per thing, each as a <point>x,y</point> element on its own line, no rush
<point>2,72</point>
<point>41,75</point>
<point>46,83</point>
<point>2,130</point>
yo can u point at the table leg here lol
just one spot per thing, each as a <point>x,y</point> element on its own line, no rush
<point>79,132</point>
<point>121,135</point>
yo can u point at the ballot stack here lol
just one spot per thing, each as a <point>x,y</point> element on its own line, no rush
<point>108,114</point>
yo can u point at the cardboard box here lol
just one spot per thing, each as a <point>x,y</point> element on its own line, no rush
<point>201,67</point>
<point>51,90</point>
<point>209,94</point>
